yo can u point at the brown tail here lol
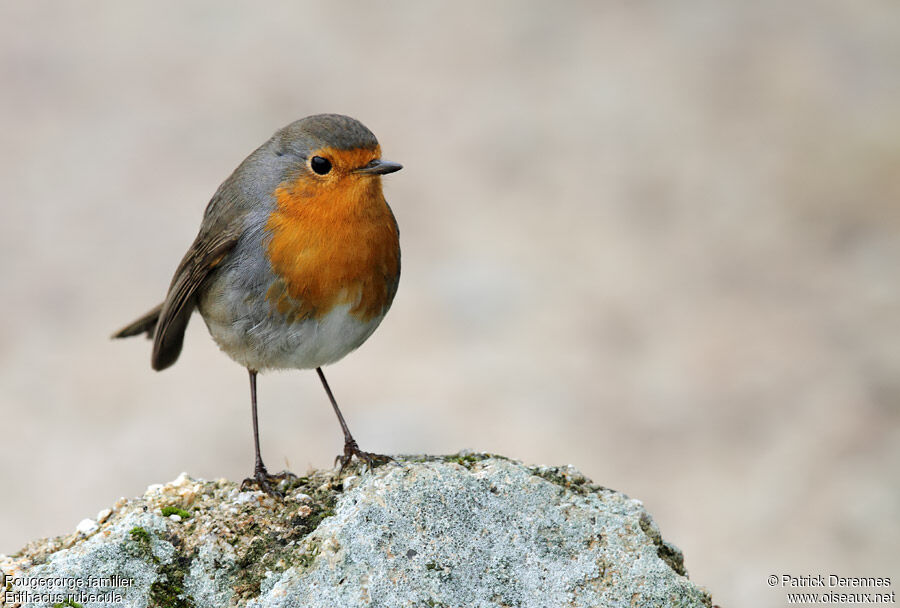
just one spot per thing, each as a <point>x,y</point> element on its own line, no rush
<point>145,325</point>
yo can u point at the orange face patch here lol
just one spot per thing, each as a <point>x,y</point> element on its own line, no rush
<point>333,240</point>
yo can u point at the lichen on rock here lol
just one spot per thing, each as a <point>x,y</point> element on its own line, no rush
<point>463,530</point>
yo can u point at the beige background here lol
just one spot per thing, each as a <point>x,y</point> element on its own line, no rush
<point>658,241</point>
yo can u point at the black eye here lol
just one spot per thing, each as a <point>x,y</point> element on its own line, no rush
<point>320,165</point>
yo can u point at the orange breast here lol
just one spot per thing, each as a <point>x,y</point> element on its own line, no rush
<point>331,244</point>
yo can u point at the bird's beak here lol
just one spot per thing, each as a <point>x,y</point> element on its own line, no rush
<point>379,167</point>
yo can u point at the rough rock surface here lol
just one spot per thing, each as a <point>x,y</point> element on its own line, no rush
<point>467,530</point>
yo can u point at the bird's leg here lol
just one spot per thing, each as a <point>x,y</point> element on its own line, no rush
<point>351,448</point>
<point>261,477</point>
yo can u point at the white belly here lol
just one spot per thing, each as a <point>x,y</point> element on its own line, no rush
<point>271,342</point>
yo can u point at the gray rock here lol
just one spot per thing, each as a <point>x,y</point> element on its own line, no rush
<point>467,530</point>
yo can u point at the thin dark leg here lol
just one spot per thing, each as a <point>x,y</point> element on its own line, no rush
<point>351,448</point>
<point>347,436</point>
<point>260,467</point>
<point>261,477</point>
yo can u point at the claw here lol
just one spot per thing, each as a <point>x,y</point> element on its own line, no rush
<point>265,482</point>
<point>368,459</point>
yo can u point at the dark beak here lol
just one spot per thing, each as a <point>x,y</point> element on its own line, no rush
<point>380,167</point>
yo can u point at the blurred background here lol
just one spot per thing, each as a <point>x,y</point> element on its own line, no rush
<point>658,241</point>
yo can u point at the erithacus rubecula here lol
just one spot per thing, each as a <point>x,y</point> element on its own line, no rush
<point>296,263</point>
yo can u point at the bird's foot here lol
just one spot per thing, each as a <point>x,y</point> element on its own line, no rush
<point>368,459</point>
<point>267,482</point>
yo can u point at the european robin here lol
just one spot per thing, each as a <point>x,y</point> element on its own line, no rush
<point>296,263</point>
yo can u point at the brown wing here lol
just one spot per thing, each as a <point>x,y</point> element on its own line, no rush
<point>203,256</point>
